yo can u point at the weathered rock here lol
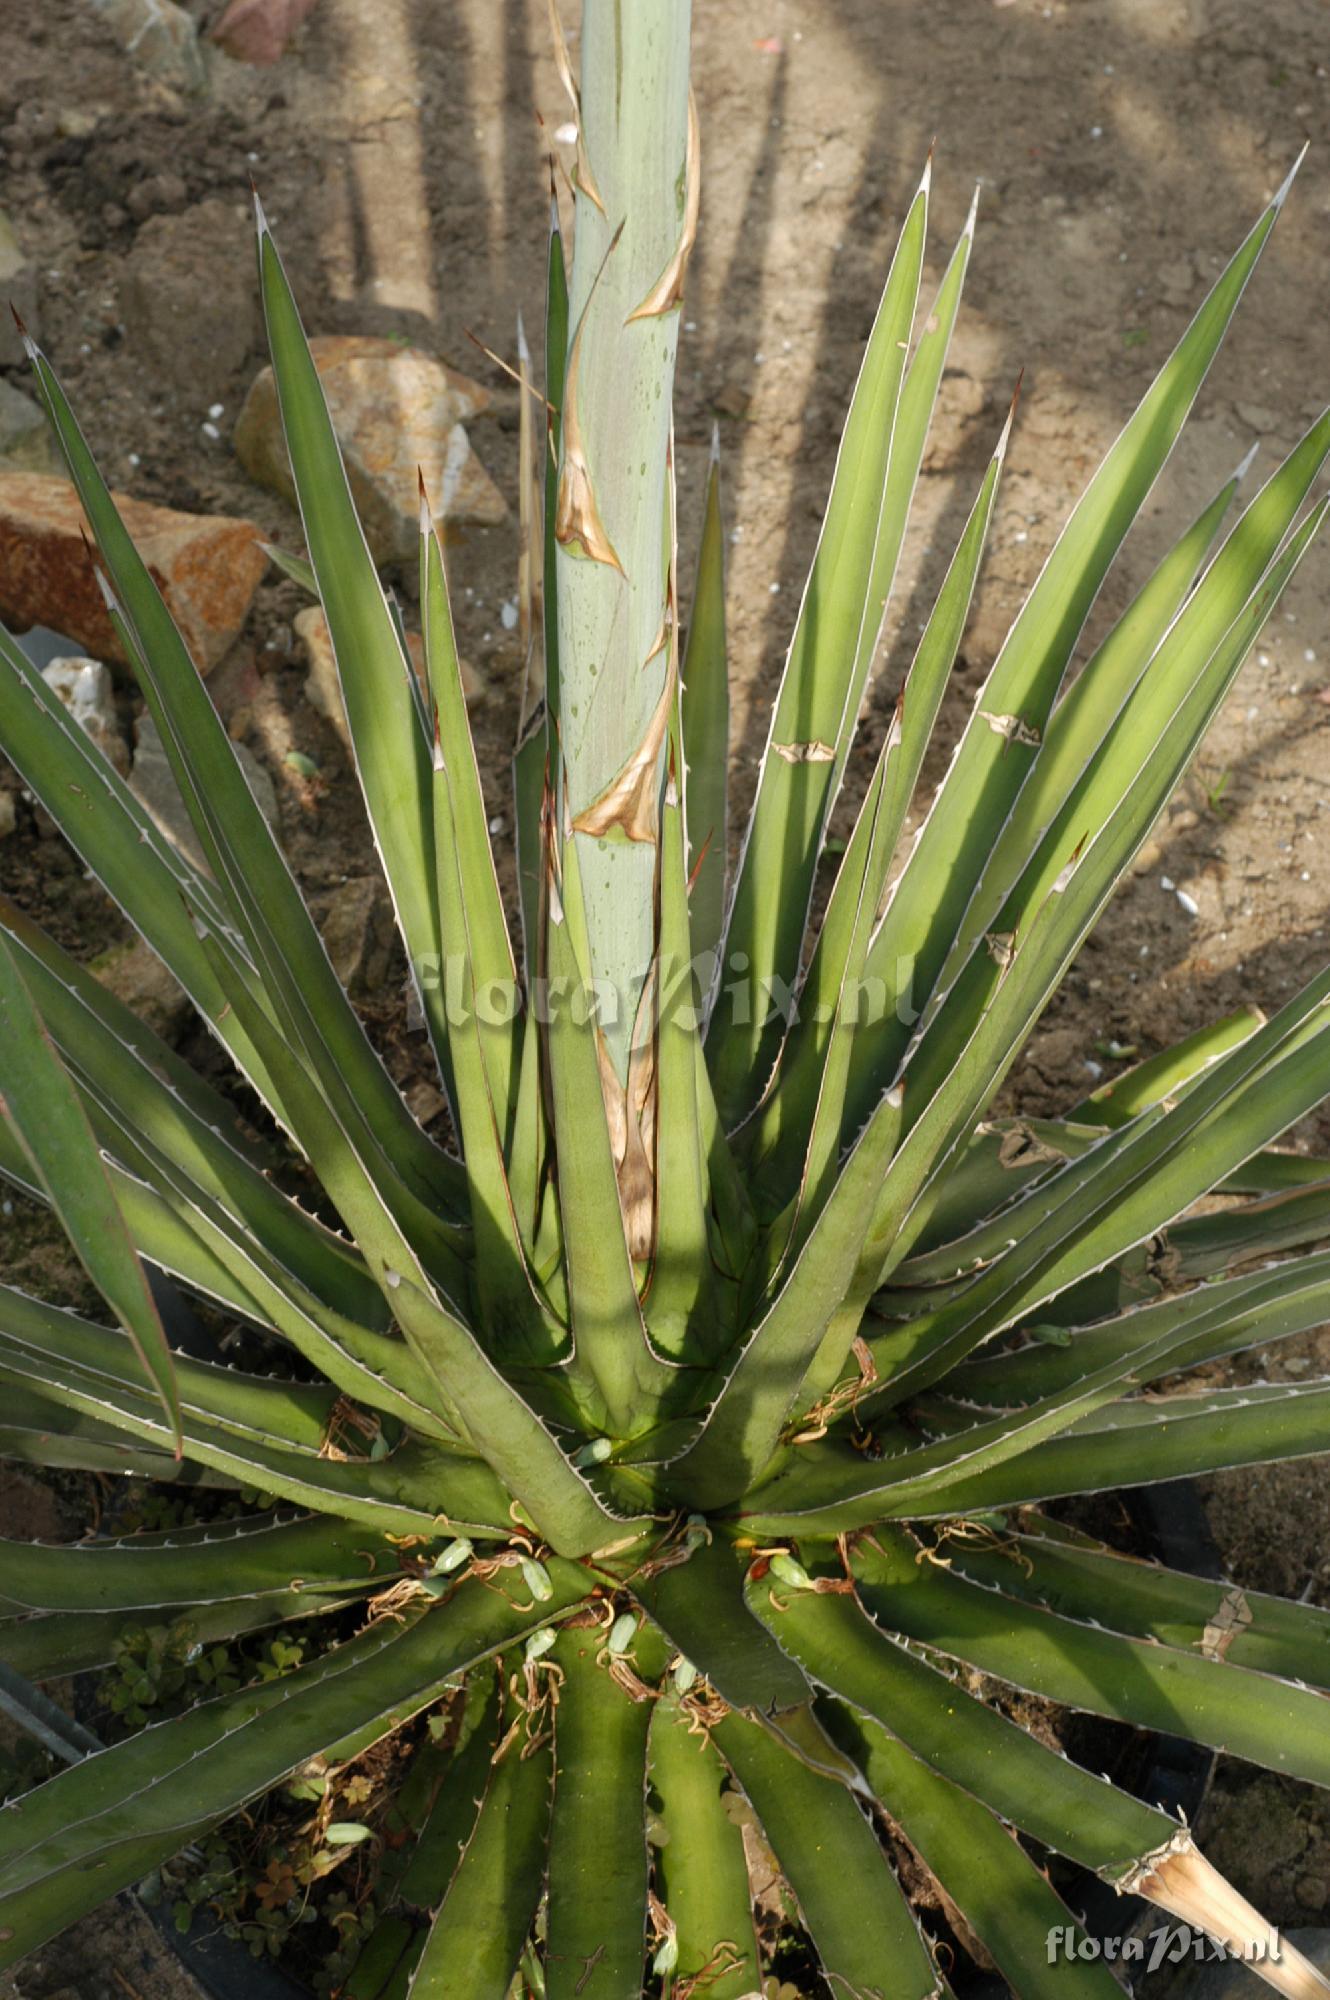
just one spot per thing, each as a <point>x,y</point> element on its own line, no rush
<point>160,37</point>
<point>86,689</point>
<point>179,269</point>
<point>1258,417</point>
<point>157,194</point>
<point>153,784</point>
<point>395,410</point>
<point>424,1101</point>
<point>359,931</point>
<point>134,974</point>
<point>8,814</point>
<point>18,288</point>
<point>323,689</point>
<point>208,567</point>
<point>258,31</point>
<point>26,444</point>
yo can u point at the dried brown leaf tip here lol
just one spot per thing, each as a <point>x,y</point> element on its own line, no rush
<point>667,292</point>
<point>583,177</point>
<point>577,522</point>
<point>805,753</point>
<point>629,805</point>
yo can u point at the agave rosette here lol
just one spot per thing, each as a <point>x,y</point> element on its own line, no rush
<point>686,1436</point>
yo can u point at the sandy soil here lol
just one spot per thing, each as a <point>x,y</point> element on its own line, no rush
<point>1124,146</point>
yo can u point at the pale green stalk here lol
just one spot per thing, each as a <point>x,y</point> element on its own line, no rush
<point>613,520</point>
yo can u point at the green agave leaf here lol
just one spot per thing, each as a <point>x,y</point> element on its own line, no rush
<point>430,1817</point>
<point>484,1919</point>
<point>54,1131</point>
<point>706,729</point>
<point>450,1807</point>
<point>482,984</point>
<point>257,885</point>
<point>139,867</point>
<point>1222,1318</point>
<point>298,569</point>
<point>75,1840</point>
<point>184,1568</point>
<point>1004,1158</point>
<point>1132,1183</point>
<point>990,766</point>
<point>269,1438</point>
<point>155,1096</point>
<point>1139,1442</point>
<point>829,1489</point>
<point>317,1027</point>
<point>596,1921</point>
<point>208,1584</point>
<point>1164,702</point>
<point>1145,1600</point>
<point>1076,726</point>
<point>817,1307</point>
<point>517,1444</point>
<point>1269,1721</point>
<point>914,1479</point>
<point>867,1941</point>
<point>73,1642</point>
<point>701,1872</point>
<point>959,1735</point>
<point>1159,1077</point>
<point>196,1239</point>
<point>59,980</point>
<point>510,1310</point>
<point>699,1606</point>
<point>464,837</point>
<point>392,753</point>
<point>1206,1244</point>
<point>613,1358</point>
<point>680,1304</point>
<point>815,708</point>
<point>37,1431</point>
<point>833,980</point>
<point>1001,1894</point>
<point>1003,999</point>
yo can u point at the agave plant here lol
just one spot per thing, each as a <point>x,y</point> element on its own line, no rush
<point>687,1441</point>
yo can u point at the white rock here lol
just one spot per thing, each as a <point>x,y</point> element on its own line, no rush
<point>86,689</point>
<point>160,37</point>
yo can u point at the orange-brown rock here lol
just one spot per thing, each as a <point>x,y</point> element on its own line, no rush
<point>207,567</point>
<point>396,411</point>
<point>258,31</point>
